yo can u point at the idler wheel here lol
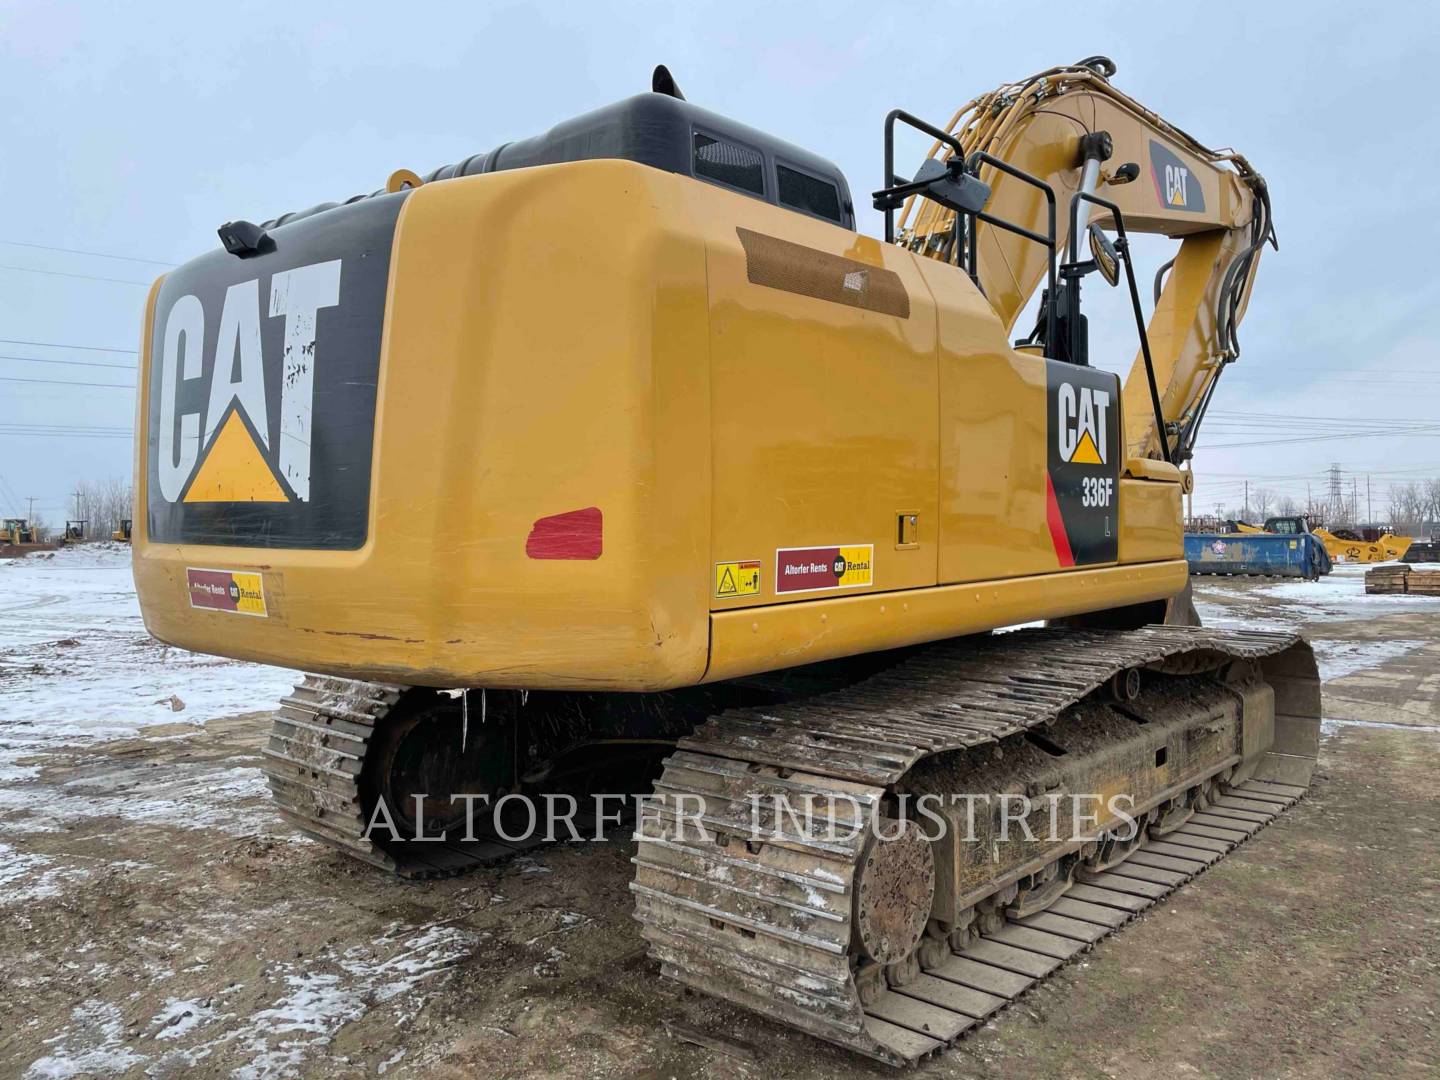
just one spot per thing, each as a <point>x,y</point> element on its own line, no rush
<point>894,891</point>
<point>426,752</point>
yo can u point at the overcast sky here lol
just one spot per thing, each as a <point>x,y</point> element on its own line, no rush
<point>136,129</point>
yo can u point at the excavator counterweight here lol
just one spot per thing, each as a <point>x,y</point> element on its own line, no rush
<point>622,443</point>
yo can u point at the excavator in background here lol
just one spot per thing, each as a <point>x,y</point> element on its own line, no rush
<point>621,442</point>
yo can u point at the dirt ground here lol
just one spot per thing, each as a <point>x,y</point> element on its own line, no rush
<point>156,919</point>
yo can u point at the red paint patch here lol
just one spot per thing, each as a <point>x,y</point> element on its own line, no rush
<point>576,534</point>
<point>1058,536</point>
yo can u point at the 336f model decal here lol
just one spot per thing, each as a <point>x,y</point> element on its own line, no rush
<point>1084,468</point>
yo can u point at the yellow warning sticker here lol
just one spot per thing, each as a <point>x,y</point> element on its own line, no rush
<point>737,579</point>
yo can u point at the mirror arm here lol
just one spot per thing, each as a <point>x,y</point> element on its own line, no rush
<point>1122,247</point>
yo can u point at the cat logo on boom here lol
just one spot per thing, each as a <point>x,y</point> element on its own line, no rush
<point>1081,428</point>
<point>1176,186</point>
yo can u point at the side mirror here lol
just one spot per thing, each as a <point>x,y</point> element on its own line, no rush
<point>1107,261</point>
<point>948,184</point>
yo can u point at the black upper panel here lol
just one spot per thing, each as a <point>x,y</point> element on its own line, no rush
<point>671,134</point>
<point>286,345</point>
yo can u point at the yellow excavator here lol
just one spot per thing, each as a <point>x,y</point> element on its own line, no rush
<point>621,442</point>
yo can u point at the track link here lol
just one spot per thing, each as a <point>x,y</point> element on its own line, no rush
<point>314,762</point>
<point>769,924</point>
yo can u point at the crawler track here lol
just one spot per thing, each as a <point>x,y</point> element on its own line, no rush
<point>315,760</point>
<point>772,925</point>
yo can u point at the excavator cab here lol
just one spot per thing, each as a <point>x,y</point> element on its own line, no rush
<point>1293,525</point>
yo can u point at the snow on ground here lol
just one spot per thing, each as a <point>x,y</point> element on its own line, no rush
<point>1338,659</point>
<point>1341,595</point>
<point>73,646</point>
<point>94,1046</point>
<point>1338,597</point>
<point>313,1000</point>
<point>78,669</point>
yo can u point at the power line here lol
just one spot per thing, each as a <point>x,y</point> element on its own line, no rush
<point>1231,414</point>
<point>46,425</point>
<point>4,431</point>
<point>95,254</point>
<point>1327,438</point>
<point>67,382</point>
<point>76,363</point>
<point>10,496</point>
<point>82,277</point>
<point>1335,367</point>
<point>56,345</point>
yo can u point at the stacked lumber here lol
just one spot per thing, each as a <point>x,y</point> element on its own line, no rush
<point>1403,579</point>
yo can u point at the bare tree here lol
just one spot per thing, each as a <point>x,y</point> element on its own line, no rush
<point>1430,505</point>
<point>1264,499</point>
<point>103,505</point>
<point>1406,506</point>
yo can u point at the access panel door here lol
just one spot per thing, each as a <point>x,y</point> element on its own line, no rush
<point>824,399</point>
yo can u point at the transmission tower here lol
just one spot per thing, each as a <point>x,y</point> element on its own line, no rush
<point>1336,509</point>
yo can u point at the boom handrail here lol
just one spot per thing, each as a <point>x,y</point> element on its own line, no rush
<point>1123,248</point>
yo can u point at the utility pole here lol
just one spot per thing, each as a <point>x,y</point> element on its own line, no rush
<point>78,496</point>
<point>1246,511</point>
<point>1354,497</point>
<point>1337,494</point>
<point>1369,507</point>
<point>30,509</point>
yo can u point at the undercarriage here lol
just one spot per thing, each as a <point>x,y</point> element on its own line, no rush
<point>882,862</point>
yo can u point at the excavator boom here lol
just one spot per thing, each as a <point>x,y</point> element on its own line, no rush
<point>1161,179</point>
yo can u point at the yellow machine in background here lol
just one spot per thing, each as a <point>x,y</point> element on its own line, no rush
<point>1350,546</point>
<point>624,435</point>
<point>16,531</point>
